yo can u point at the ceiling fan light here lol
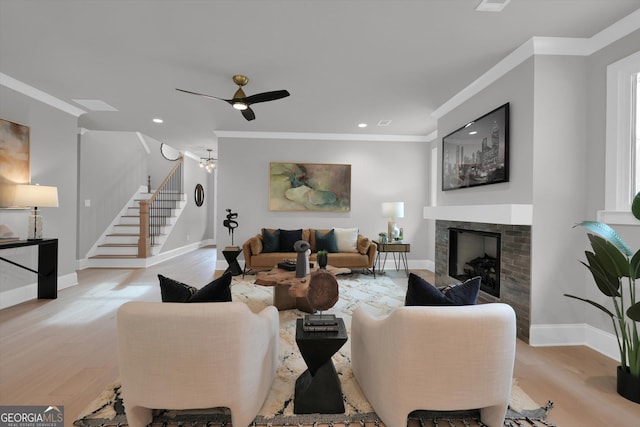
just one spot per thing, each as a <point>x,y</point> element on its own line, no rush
<point>240,106</point>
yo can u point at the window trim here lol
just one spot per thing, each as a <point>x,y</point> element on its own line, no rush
<point>619,137</point>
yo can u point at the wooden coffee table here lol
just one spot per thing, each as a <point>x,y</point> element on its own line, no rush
<point>290,291</point>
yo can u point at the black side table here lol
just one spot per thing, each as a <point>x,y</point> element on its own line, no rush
<point>231,255</point>
<point>318,389</point>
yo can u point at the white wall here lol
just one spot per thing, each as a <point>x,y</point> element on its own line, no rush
<point>558,117</point>
<point>559,192</point>
<point>380,171</point>
<point>516,87</point>
<point>114,165</point>
<point>53,161</point>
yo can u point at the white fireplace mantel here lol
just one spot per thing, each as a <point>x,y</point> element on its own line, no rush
<point>509,214</point>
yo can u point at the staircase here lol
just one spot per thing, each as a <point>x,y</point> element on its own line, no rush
<point>118,246</point>
<point>138,233</point>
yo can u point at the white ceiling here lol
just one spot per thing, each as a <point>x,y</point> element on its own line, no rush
<point>344,62</point>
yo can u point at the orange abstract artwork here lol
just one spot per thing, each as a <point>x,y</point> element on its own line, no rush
<point>14,159</point>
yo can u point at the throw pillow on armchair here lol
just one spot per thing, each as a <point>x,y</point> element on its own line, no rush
<point>421,292</point>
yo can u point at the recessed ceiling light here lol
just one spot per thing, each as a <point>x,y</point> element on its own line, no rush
<point>492,5</point>
<point>362,125</point>
<point>95,105</point>
<point>473,132</point>
<point>158,120</point>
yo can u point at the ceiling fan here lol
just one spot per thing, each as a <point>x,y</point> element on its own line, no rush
<point>242,102</point>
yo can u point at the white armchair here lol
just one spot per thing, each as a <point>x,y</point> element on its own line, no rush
<point>200,355</point>
<point>435,358</point>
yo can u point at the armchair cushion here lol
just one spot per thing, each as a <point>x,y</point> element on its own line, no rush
<point>421,292</point>
<point>216,291</point>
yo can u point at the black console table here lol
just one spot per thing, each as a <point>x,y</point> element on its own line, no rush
<point>47,264</point>
<point>318,389</point>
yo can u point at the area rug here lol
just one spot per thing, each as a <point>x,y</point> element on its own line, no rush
<point>382,295</point>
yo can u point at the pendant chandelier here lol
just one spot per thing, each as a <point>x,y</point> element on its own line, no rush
<point>209,163</point>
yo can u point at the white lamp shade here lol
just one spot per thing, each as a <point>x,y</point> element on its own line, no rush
<point>393,209</point>
<point>40,196</point>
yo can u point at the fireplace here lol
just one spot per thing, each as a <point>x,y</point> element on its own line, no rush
<point>476,253</point>
<point>515,265</point>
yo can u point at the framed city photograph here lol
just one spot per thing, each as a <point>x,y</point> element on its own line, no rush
<point>477,153</point>
<point>309,187</point>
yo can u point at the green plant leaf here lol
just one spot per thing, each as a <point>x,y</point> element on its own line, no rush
<point>633,312</point>
<point>612,260</point>
<point>635,206</point>
<point>608,284</point>
<point>595,304</point>
<point>608,234</point>
<point>634,266</point>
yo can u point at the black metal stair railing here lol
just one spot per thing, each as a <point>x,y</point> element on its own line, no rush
<point>156,211</point>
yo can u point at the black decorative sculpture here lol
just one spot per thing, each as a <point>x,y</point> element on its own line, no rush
<point>230,223</point>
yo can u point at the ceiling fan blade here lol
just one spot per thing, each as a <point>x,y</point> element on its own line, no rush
<point>248,114</point>
<point>202,94</point>
<point>266,96</point>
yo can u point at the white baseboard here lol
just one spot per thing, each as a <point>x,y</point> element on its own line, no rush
<point>575,334</point>
<point>30,291</point>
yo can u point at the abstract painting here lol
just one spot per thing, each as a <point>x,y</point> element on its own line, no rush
<point>14,159</point>
<point>309,187</point>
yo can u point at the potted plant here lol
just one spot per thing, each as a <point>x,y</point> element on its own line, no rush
<point>322,258</point>
<point>613,264</point>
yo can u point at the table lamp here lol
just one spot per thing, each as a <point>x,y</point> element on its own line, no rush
<point>36,196</point>
<point>393,210</point>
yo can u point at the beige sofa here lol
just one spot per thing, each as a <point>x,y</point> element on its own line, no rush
<point>255,259</point>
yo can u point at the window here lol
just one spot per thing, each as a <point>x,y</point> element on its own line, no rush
<point>636,157</point>
<point>622,165</point>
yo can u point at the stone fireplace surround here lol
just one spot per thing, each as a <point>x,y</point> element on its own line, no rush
<point>515,273</point>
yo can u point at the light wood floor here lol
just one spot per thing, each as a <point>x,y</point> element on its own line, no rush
<point>62,352</point>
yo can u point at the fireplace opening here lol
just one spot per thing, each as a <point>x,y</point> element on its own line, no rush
<point>475,253</point>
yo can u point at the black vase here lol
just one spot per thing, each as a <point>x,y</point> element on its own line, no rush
<point>322,261</point>
<point>628,386</point>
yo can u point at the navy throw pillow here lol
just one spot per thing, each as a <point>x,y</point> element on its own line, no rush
<point>421,292</point>
<point>219,290</point>
<point>288,238</point>
<point>174,291</point>
<point>270,240</point>
<point>326,242</point>
<point>464,293</point>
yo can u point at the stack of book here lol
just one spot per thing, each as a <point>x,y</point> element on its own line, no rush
<point>320,323</point>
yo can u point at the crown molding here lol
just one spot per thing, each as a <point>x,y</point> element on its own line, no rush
<point>38,95</point>
<point>321,136</point>
<point>543,46</point>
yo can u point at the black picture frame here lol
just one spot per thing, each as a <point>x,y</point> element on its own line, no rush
<point>478,152</point>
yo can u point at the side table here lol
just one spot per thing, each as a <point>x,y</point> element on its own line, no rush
<point>318,389</point>
<point>231,255</point>
<point>401,248</point>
